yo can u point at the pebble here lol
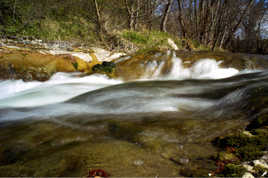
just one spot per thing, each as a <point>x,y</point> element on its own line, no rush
<point>264,174</point>
<point>247,133</point>
<point>184,161</point>
<point>261,163</point>
<point>248,167</point>
<point>138,163</point>
<point>248,175</point>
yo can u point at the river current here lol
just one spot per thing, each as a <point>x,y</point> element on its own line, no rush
<point>204,88</point>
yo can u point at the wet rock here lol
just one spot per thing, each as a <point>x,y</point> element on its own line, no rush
<point>125,131</point>
<point>247,175</point>
<point>28,77</point>
<point>184,161</point>
<point>17,64</point>
<point>193,172</point>
<point>172,44</point>
<point>105,67</point>
<point>248,167</point>
<point>12,154</point>
<point>11,71</point>
<point>42,76</point>
<point>260,163</point>
<point>233,170</point>
<point>247,133</point>
<point>260,121</point>
<point>260,171</point>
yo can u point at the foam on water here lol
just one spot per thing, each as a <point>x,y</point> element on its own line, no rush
<point>61,87</point>
<point>131,98</point>
<point>64,86</point>
<point>203,69</point>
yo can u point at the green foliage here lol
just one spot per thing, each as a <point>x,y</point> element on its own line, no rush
<point>232,170</point>
<point>135,37</point>
<point>225,156</point>
<point>75,64</point>
<point>247,148</point>
<point>249,152</point>
<point>148,39</point>
<point>105,67</point>
<point>232,141</point>
<point>195,43</point>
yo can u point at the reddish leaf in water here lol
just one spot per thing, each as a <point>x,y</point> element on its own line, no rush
<point>230,149</point>
<point>97,173</point>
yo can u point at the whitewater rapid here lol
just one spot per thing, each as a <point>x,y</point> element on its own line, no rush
<point>61,87</point>
<point>202,86</point>
<point>64,86</point>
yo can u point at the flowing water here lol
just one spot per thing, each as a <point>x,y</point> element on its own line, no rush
<point>201,87</point>
<point>72,123</point>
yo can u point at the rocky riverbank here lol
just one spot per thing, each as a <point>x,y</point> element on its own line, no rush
<point>39,61</point>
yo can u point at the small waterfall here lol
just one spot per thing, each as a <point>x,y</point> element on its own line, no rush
<point>202,69</point>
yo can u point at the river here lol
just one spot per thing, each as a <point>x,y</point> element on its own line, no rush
<point>199,103</point>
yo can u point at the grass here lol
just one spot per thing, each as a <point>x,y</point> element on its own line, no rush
<point>71,29</point>
<point>156,39</point>
<point>149,39</point>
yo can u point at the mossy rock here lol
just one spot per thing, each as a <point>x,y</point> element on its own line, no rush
<point>136,66</point>
<point>258,122</point>
<point>246,148</point>
<point>259,171</point>
<point>31,65</point>
<point>249,152</point>
<point>233,170</point>
<point>105,67</point>
<point>227,157</point>
<point>232,141</point>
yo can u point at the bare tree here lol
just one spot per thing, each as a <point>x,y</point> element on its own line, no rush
<point>211,22</point>
<point>132,7</point>
<point>100,23</point>
<point>165,16</point>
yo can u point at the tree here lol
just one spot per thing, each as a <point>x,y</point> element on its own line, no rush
<point>101,30</point>
<point>132,7</point>
<point>165,16</point>
<point>211,22</point>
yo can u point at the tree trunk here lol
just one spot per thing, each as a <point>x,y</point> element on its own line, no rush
<point>180,19</point>
<point>14,9</point>
<point>132,12</point>
<point>233,30</point>
<point>100,25</point>
<point>165,17</point>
